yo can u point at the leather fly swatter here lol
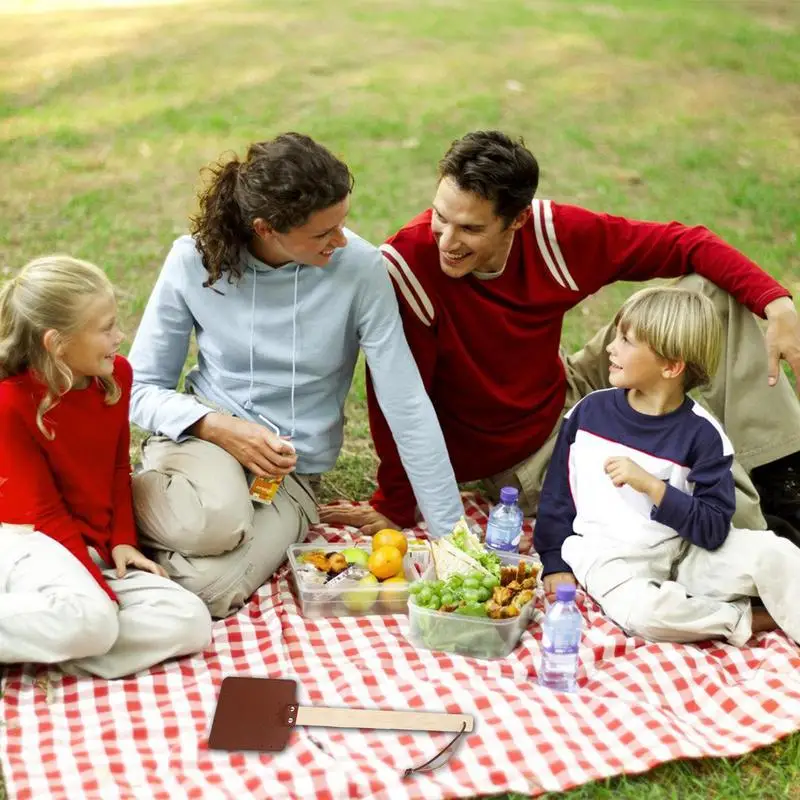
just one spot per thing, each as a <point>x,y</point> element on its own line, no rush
<point>260,713</point>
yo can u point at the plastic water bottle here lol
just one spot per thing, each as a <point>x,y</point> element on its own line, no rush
<point>504,529</point>
<point>561,638</point>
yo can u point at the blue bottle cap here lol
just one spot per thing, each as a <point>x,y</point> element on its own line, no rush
<point>509,495</point>
<point>565,592</point>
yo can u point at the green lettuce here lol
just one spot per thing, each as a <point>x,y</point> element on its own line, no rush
<point>466,541</point>
<point>454,633</point>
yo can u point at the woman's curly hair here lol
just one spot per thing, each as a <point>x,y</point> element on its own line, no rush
<point>282,181</point>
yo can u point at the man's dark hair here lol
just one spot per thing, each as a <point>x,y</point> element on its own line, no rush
<point>283,181</point>
<point>495,167</point>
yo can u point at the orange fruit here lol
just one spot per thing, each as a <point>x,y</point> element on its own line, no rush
<point>385,562</point>
<point>391,537</point>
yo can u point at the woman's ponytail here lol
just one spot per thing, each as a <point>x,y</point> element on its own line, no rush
<point>218,228</point>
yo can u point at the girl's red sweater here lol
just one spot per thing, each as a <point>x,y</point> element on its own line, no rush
<point>77,487</point>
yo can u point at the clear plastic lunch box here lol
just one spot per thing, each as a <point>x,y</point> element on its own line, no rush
<point>479,637</point>
<point>348,600</point>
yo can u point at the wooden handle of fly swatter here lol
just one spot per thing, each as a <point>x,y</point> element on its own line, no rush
<point>322,717</point>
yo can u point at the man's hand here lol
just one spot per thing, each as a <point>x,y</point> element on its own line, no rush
<point>365,518</point>
<point>554,578</point>
<point>255,447</point>
<point>783,337</point>
<point>123,556</point>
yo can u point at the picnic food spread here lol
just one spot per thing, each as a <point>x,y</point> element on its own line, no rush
<point>480,595</point>
<point>355,580</point>
<point>460,597</point>
<point>488,589</point>
<point>472,601</point>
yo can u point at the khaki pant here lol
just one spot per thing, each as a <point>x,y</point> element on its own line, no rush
<point>193,509</point>
<point>53,611</point>
<point>677,592</point>
<point>762,421</point>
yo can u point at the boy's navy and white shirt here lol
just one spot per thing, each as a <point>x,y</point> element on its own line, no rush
<point>685,448</point>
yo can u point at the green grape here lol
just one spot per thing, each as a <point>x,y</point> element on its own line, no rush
<point>416,587</point>
<point>490,581</point>
<point>455,581</point>
<point>472,583</point>
<point>484,594</point>
<point>448,598</point>
<point>435,603</point>
<point>472,610</point>
<point>470,595</point>
<point>424,595</point>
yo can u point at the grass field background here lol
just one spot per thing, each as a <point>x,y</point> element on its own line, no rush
<point>677,109</point>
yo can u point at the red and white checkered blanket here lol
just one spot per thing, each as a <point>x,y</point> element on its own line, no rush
<point>638,705</point>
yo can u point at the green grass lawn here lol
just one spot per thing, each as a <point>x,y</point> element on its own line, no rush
<point>676,109</point>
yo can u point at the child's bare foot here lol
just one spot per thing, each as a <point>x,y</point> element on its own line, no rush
<point>762,621</point>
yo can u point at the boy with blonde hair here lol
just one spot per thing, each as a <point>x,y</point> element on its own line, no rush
<point>639,495</point>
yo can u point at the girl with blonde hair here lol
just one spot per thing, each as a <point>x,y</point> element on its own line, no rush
<point>73,585</point>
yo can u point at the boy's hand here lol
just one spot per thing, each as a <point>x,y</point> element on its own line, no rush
<point>623,471</point>
<point>554,578</point>
<point>123,555</point>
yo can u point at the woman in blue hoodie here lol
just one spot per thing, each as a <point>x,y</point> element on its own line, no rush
<point>280,297</point>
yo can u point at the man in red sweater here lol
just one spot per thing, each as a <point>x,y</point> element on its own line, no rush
<point>484,279</point>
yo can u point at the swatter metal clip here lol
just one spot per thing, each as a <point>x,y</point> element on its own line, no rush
<point>290,715</point>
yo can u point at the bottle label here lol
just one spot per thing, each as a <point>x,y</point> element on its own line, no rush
<point>501,538</point>
<point>566,650</point>
<point>504,547</point>
<point>264,489</point>
<point>562,643</point>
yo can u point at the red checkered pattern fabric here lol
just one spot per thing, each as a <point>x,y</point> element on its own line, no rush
<point>638,705</point>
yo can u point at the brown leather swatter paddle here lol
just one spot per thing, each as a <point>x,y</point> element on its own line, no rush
<point>259,714</point>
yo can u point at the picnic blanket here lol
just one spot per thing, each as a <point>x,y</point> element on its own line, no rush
<point>638,705</point>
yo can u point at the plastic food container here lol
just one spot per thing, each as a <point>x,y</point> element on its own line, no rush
<point>479,637</point>
<point>347,600</point>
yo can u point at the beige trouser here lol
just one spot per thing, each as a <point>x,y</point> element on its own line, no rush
<point>193,508</point>
<point>762,421</point>
<point>678,592</point>
<point>52,610</point>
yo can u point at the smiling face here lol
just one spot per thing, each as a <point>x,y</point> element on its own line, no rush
<point>311,243</point>
<point>91,350</point>
<point>633,364</point>
<point>468,232</point>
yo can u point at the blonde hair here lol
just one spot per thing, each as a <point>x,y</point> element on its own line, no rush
<point>49,293</point>
<point>677,325</point>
